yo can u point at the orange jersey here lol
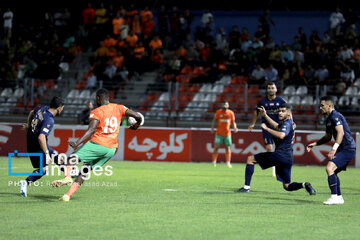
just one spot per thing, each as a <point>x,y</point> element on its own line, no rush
<point>224,120</point>
<point>109,117</point>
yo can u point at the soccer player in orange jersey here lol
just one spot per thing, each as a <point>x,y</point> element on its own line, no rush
<point>224,117</point>
<point>103,130</point>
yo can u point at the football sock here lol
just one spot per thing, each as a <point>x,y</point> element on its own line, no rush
<point>333,184</point>
<point>338,186</point>
<point>67,172</point>
<point>31,179</point>
<point>249,170</point>
<point>228,157</point>
<point>74,187</point>
<point>294,186</point>
<point>214,156</point>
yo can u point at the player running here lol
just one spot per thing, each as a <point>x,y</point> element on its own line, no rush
<point>282,158</point>
<point>39,125</point>
<point>224,117</point>
<point>103,130</point>
<point>271,103</point>
<point>342,152</point>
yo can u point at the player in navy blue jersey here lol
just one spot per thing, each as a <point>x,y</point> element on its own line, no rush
<point>282,158</point>
<point>39,125</point>
<point>343,150</point>
<point>271,103</point>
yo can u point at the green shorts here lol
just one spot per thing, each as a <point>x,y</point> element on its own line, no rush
<point>223,140</point>
<point>94,154</point>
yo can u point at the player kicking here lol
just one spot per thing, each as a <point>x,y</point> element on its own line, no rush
<point>103,130</point>
<point>342,152</point>
<point>39,125</point>
<point>282,158</point>
<point>271,104</point>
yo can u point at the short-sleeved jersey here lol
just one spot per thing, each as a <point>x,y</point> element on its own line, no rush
<point>42,123</point>
<point>224,120</point>
<point>109,117</point>
<point>271,107</point>
<point>335,119</point>
<point>285,145</point>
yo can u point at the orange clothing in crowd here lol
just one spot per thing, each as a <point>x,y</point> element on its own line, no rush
<point>224,120</point>
<point>148,27</point>
<point>145,13</point>
<point>117,22</point>
<point>132,40</point>
<point>112,52</point>
<point>155,44</point>
<point>109,117</point>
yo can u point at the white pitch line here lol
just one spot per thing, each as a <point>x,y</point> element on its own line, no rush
<point>169,190</point>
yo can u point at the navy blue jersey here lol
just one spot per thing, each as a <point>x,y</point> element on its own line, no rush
<point>271,107</point>
<point>335,119</point>
<point>286,145</point>
<point>42,123</point>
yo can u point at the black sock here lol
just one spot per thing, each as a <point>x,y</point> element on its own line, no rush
<point>338,186</point>
<point>31,179</point>
<point>294,186</point>
<point>332,184</point>
<point>249,170</point>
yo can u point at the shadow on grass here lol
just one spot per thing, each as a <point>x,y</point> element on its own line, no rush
<point>46,198</point>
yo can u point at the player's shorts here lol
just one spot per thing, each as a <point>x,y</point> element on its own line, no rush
<point>34,147</point>
<point>342,159</point>
<point>282,163</point>
<point>222,140</point>
<point>94,154</point>
<point>268,138</point>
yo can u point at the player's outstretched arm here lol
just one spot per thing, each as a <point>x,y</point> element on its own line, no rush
<point>277,134</point>
<point>253,121</point>
<point>89,132</point>
<point>322,140</point>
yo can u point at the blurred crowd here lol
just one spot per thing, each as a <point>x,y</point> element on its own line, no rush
<point>129,40</point>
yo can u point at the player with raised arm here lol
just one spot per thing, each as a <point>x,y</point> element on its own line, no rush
<point>342,152</point>
<point>271,103</point>
<point>39,124</point>
<point>282,158</point>
<point>223,117</point>
<point>103,130</point>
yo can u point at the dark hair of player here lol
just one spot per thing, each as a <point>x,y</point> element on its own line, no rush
<point>56,102</point>
<point>285,105</point>
<point>269,83</point>
<point>102,93</point>
<point>327,99</point>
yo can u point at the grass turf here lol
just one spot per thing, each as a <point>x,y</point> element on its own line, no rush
<point>137,202</point>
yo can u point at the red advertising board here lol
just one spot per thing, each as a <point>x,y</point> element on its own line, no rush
<point>157,145</point>
<point>170,144</point>
<point>245,143</point>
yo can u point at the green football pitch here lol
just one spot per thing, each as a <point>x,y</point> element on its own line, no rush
<point>152,200</point>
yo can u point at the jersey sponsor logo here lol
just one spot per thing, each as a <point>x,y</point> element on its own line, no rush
<point>224,120</point>
<point>338,123</point>
<point>46,130</point>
